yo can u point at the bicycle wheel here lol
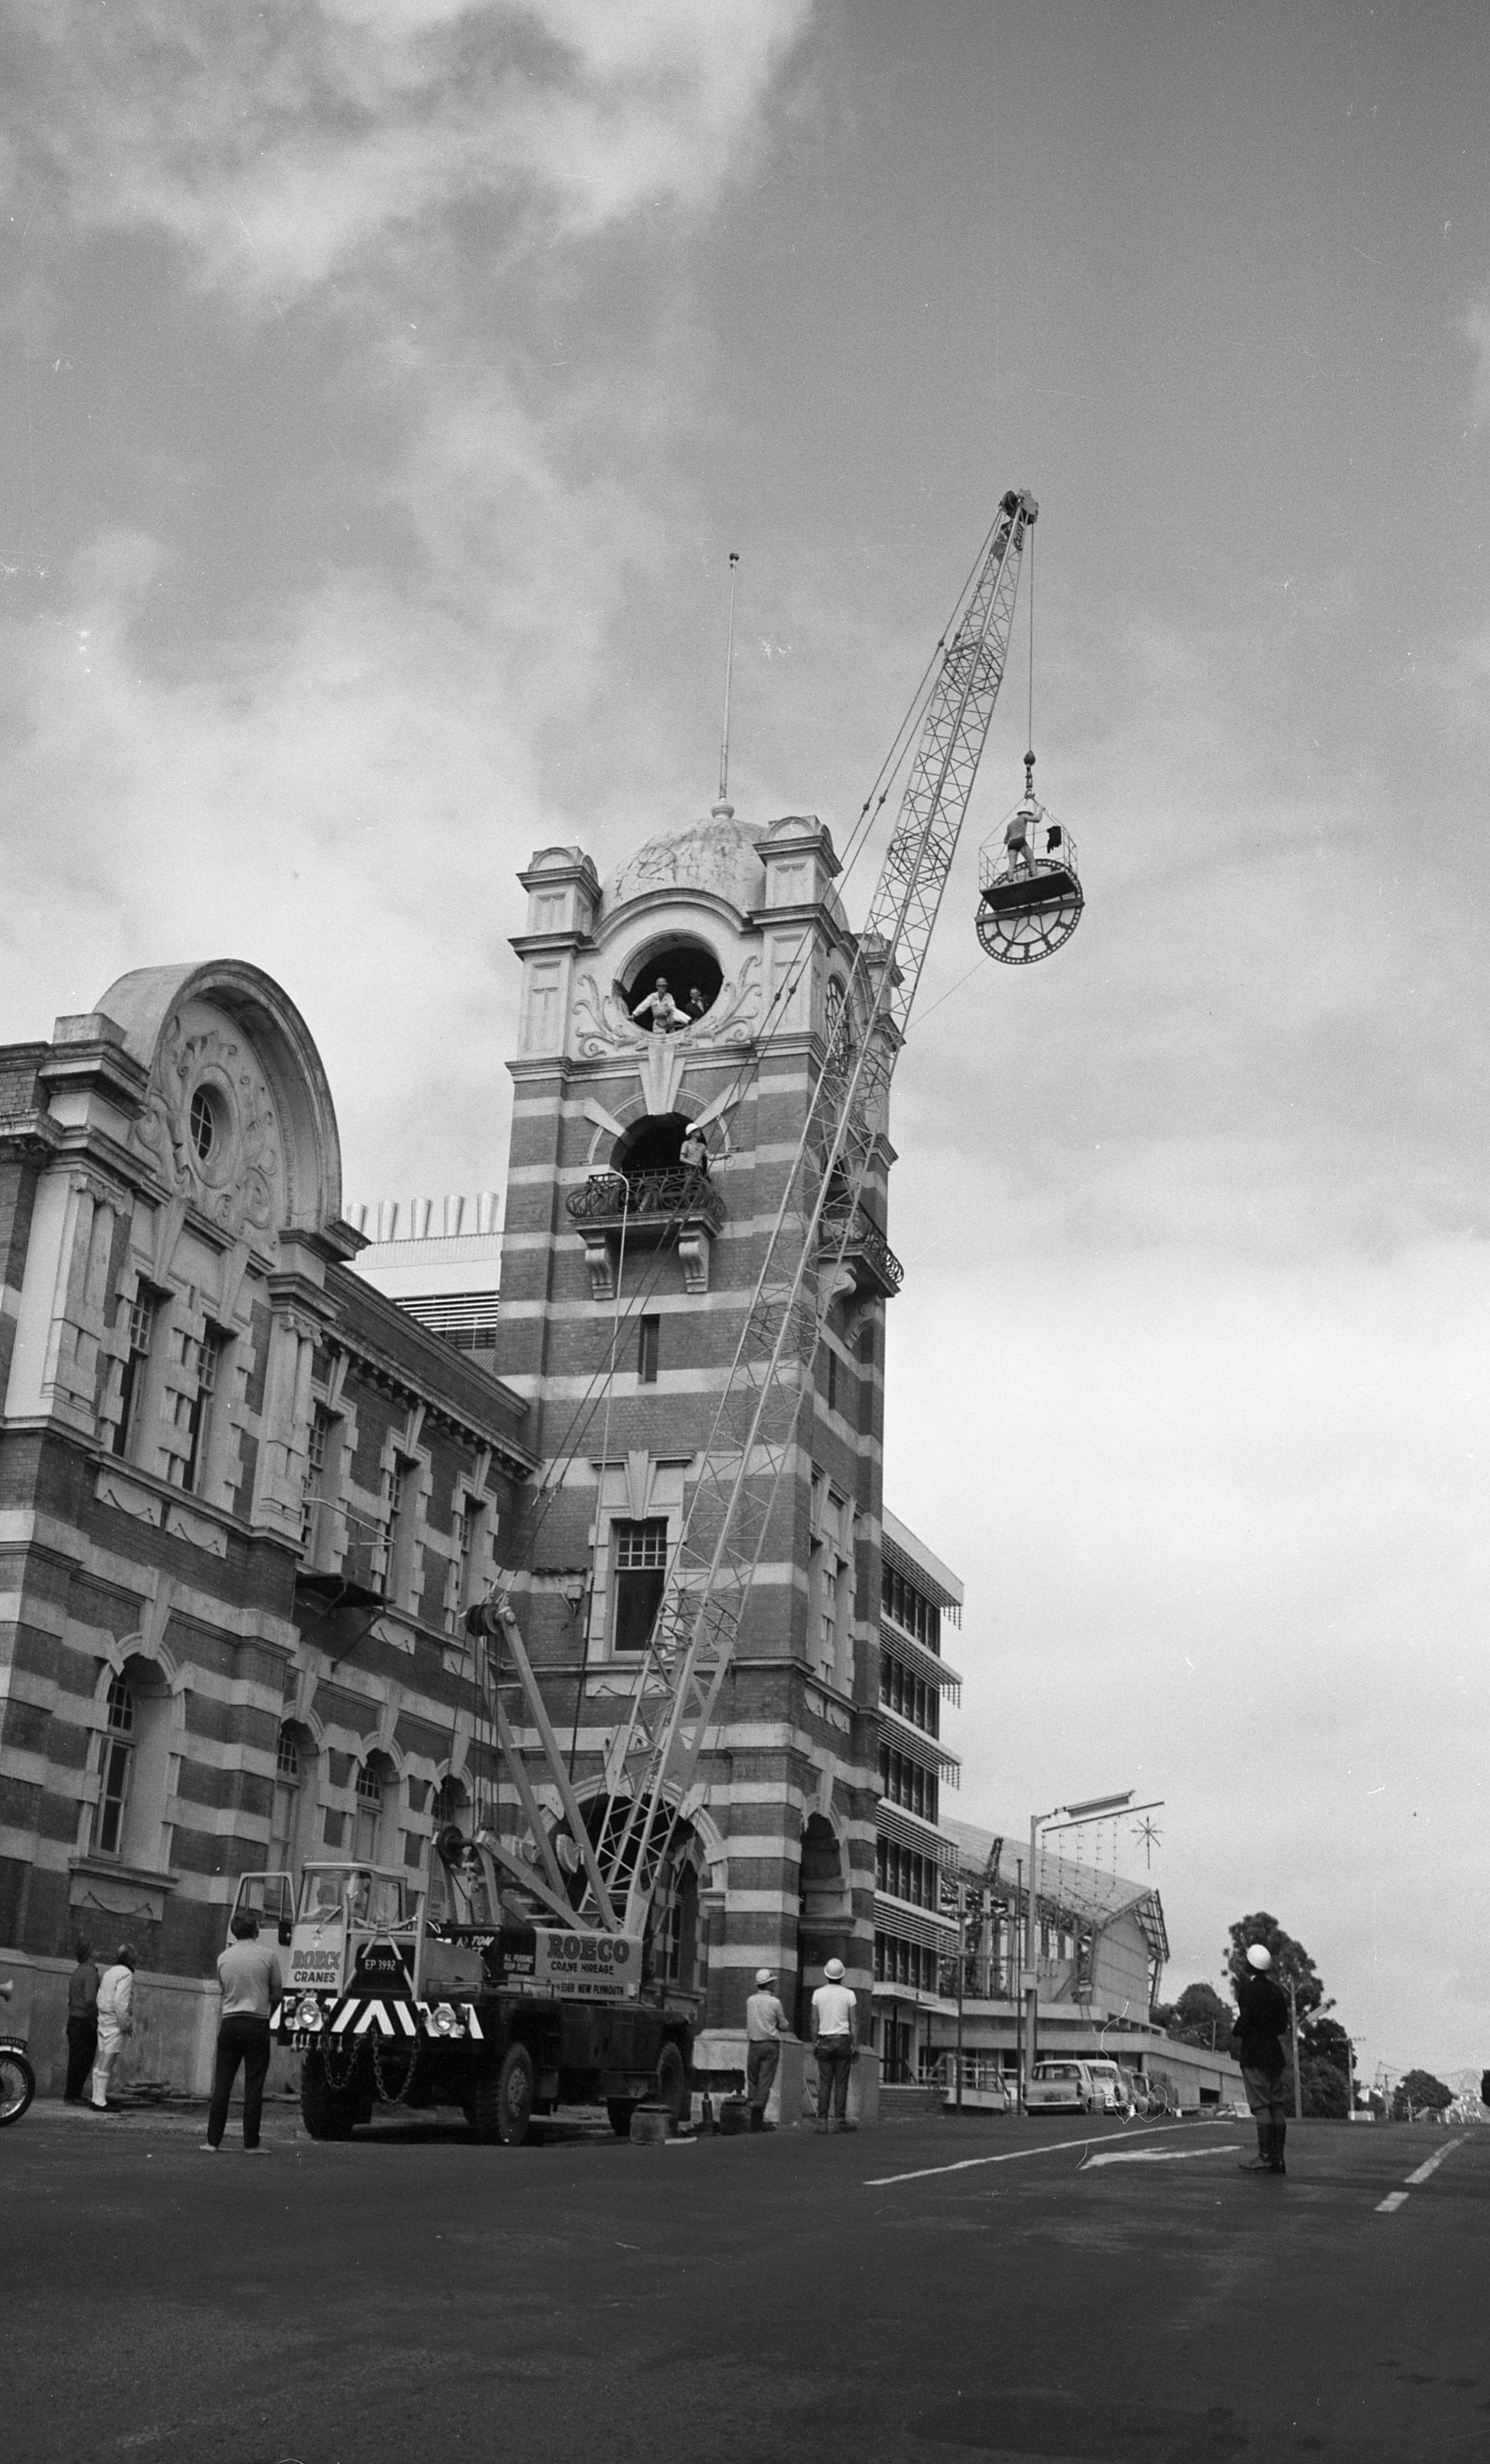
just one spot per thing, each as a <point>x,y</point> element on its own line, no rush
<point>17,2086</point>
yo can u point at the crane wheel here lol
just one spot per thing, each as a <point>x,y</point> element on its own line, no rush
<point>671,2088</point>
<point>326,2114</point>
<point>503,2100</point>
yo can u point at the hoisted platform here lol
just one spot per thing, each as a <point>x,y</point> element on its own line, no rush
<point>1030,894</point>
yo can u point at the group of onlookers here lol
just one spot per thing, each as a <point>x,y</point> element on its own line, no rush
<point>101,2007</point>
<point>101,2013</point>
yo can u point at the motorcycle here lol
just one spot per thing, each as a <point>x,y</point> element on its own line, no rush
<point>18,2079</point>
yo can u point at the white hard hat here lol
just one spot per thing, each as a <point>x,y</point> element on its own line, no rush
<point>834,1971</point>
<point>765,1975</point>
<point>1259,1955</point>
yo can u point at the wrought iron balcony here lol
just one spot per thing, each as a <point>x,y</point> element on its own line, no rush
<point>646,1206</point>
<point>867,1256</point>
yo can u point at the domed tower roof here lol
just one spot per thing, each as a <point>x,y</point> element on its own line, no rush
<point>717,855</point>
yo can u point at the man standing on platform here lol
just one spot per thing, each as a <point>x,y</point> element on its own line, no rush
<point>765,2026</point>
<point>833,2013</point>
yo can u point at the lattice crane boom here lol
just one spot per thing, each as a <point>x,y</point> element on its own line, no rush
<point>656,1754</point>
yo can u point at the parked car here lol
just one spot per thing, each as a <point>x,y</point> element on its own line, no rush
<point>1067,2087</point>
<point>1111,2085</point>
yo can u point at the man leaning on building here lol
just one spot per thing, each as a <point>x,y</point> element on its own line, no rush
<point>248,1978</point>
<point>833,2013</point>
<point>765,2026</point>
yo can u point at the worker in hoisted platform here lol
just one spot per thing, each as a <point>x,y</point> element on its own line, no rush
<point>1016,840</point>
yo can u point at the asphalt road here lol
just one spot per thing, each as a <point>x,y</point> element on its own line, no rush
<point>1093,2292</point>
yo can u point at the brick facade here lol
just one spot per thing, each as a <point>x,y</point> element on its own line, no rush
<point>219,1646</point>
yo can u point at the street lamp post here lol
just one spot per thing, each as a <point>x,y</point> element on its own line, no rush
<point>1075,1815</point>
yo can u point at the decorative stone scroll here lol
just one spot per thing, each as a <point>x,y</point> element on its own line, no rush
<point>230,1164</point>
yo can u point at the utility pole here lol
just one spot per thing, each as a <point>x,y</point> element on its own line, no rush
<point>1293,2027</point>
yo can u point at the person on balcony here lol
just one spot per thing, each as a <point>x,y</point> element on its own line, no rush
<point>693,1153</point>
<point>666,1016</point>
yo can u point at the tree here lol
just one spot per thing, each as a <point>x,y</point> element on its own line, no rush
<point>1201,2017</point>
<point>1292,1965</point>
<point>1419,2093</point>
<point>1324,2068</point>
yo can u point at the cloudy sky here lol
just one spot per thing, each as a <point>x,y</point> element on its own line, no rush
<point>384,383</point>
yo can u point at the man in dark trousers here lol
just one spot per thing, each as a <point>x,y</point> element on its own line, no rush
<point>1261,2017</point>
<point>82,2022</point>
<point>248,1978</point>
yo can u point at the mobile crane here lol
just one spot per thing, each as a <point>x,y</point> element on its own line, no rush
<point>517,1980</point>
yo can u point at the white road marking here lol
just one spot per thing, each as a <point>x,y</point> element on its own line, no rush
<point>1395,2199</point>
<point>1153,2155</point>
<point>1013,2156</point>
<point>1432,2166</point>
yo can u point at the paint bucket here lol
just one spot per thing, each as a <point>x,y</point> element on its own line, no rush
<point>734,2114</point>
<point>650,2125</point>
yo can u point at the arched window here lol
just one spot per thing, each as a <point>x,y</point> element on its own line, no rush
<point>117,1759</point>
<point>294,1797</point>
<point>133,1768</point>
<point>450,1804</point>
<point>372,1796</point>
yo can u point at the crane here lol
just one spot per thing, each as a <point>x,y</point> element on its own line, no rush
<point>600,1878</point>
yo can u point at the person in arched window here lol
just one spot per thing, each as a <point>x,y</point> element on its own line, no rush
<point>693,1153</point>
<point>666,1015</point>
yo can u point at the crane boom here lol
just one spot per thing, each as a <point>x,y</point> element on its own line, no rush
<point>655,1753</point>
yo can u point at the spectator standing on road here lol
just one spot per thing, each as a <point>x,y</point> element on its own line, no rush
<point>116,2021</point>
<point>249,1982</point>
<point>765,2026</point>
<point>82,2022</point>
<point>1261,2016</point>
<point>833,2014</point>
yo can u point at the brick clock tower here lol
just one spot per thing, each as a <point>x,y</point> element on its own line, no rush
<point>612,1254</point>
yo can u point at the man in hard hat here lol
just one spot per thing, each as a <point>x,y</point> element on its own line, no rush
<point>765,2026</point>
<point>834,2010</point>
<point>1261,2017</point>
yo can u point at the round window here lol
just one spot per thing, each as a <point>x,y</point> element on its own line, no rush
<point>201,1121</point>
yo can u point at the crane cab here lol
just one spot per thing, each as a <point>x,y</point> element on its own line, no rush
<point>1030,898</point>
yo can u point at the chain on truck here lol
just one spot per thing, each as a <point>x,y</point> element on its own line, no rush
<point>519,1978</point>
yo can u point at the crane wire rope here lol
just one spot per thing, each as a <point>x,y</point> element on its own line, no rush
<point>906,735</point>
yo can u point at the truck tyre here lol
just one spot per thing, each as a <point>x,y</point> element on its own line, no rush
<point>325,2113</point>
<point>504,2099</point>
<point>620,2109</point>
<point>671,2088</point>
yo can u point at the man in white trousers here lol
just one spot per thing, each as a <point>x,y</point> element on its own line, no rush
<point>115,2020</point>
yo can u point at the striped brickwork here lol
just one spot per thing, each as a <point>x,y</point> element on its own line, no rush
<point>782,1822</point>
<point>205,1604</point>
